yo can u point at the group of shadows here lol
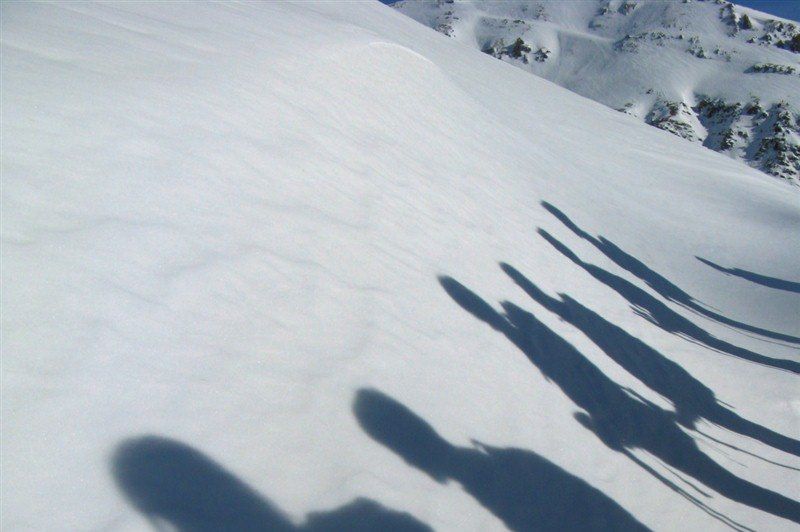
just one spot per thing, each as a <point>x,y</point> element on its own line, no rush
<point>176,485</point>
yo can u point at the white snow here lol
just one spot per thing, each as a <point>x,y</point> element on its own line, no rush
<point>222,223</point>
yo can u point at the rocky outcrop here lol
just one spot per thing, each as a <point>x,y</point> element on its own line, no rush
<point>771,68</point>
<point>674,117</point>
<point>767,139</point>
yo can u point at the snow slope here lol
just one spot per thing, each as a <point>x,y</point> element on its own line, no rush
<point>315,266</point>
<point>715,73</point>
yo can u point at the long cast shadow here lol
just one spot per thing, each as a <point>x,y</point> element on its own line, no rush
<point>692,399</point>
<point>172,483</point>
<point>661,315</point>
<point>523,489</point>
<point>757,278</point>
<point>621,419</point>
<point>658,282</point>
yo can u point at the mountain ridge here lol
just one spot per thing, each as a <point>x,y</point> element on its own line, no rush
<point>713,73</point>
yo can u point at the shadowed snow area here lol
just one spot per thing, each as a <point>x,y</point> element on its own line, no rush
<point>314,266</point>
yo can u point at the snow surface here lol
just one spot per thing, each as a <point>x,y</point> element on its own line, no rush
<point>251,271</point>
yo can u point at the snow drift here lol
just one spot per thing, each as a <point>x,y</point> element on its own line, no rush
<point>316,266</point>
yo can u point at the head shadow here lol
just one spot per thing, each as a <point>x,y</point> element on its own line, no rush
<point>757,278</point>
<point>172,483</point>
<point>520,487</point>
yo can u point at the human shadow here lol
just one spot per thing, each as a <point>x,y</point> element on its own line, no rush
<point>691,398</point>
<point>757,278</point>
<point>658,313</point>
<point>521,488</point>
<point>664,287</point>
<point>620,418</point>
<point>174,484</point>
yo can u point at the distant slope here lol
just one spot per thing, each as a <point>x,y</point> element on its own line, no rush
<point>714,73</point>
<point>314,266</point>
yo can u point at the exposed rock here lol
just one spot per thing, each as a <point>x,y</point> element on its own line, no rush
<point>771,68</point>
<point>674,117</point>
<point>626,7</point>
<point>541,55</point>
<point>793,44</point>
<point>745,23</point>
<point>519,48</point>
<point>779,150</point>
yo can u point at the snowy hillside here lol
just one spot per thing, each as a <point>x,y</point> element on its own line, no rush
<point>313,266</point>
<point>714,73</point>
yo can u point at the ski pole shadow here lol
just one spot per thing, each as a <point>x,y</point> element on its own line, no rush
<point>523,489</point>
<point>660,284</point>
<point>173,484</point>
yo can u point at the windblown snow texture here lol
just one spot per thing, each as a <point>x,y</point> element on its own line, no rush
<point>313,266</point>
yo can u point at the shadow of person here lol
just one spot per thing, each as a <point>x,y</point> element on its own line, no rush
<point>658,313</point>
<point>619,417</point>
<point>174,484</point>
<point>664,287</point>
<point>692,399</point>
<point>524,490</point>
<point>757,278</point>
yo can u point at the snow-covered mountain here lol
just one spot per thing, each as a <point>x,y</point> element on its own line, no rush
<point>712,72</point>
<point>313,266</point>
